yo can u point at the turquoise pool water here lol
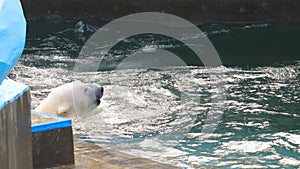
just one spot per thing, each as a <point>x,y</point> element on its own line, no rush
<point>167,114</point>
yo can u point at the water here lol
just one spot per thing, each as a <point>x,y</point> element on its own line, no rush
<point>171,114</point>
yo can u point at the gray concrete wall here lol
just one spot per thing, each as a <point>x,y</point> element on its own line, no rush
<point>196,11</point>
<point>15,129</point>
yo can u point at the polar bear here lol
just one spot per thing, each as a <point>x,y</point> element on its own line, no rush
<point>72,99</point>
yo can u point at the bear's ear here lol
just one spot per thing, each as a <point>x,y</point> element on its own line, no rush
<point>63,109</point>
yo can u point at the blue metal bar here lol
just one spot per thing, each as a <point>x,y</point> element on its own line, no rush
<point>59,122</point>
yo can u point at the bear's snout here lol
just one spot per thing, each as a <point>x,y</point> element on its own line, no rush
<point>99,94</point>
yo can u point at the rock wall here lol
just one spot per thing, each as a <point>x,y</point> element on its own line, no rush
<point>196,11</point>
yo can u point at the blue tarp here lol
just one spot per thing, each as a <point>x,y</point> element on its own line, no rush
<point>12,35</point>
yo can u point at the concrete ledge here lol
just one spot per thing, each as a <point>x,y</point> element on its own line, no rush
<point>52,141</point>
<point>53,146</point>
<point>89,156</point>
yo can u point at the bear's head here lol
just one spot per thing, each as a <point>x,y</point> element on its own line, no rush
<point>86,97</point>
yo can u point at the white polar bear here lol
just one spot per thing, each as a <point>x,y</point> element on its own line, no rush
<point>72,99</point>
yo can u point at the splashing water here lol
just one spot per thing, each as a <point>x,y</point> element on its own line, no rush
<point>160,113</point>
